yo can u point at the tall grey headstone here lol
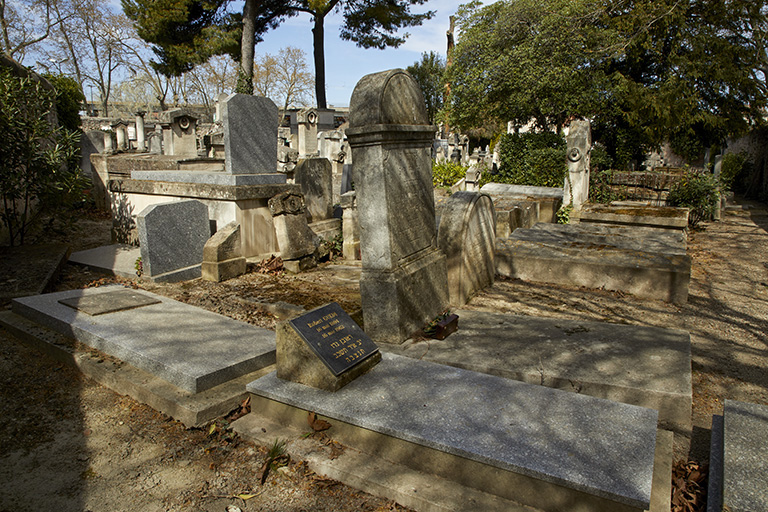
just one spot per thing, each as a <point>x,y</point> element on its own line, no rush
<point>172,237</point>
<point>250,131</point>
<point>579,140</point>
<point>403,284</point>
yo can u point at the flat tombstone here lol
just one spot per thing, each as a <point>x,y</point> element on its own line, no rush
<point>324,348</point>
<point>467,237</point>
<point>172,237</point>
<point>250,133</point>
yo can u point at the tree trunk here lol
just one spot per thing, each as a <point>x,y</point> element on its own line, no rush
<point>247,44</point>
<point>318,40</point>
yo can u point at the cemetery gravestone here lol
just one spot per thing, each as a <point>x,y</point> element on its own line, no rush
<point>467,237</point>
<point>314,175</point>
<point>250,126</point>
<point>579,140</point>
<point>172,237</point>
<point>324,348</point>
<point>403,284</point>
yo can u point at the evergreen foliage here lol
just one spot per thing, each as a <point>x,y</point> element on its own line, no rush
<point>697,191</point>
<point>647,71</point>
<point>536,159</point>
<point>34,154</point>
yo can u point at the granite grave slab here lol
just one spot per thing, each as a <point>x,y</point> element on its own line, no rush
<point>597,448</point>
<point>639,365</point>
<point>191,348</point>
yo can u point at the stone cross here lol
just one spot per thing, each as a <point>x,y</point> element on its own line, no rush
<point>403,285</point>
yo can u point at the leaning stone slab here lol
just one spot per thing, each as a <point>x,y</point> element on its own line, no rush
<point>192,349</point>
<point>223,255</point>
<point>638,365</point>
<point>172,236</point>
<point>538,446</point>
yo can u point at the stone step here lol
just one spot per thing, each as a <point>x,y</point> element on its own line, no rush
<point>193,349</point>
<point>638,365</point>
<point>538,446</point>
<point>738,471</point>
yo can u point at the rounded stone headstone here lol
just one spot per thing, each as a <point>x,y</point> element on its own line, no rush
<point>467,236</point>
<point>388,97</point>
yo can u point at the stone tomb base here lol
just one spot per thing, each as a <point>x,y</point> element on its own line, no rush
<point>537,446</point>
<point>646,265</point>
<point>397,303</point>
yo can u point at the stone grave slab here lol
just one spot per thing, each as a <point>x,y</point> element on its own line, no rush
<point>644,366</point>
<point>745,457</point>
<point>619,264</point>
<point>109,302</point>
<point>191,348</point>
<point>172,237</point>
<point>28,269</point>
<point>117,259</point>
<point>553,449</point>
<point>658,217</point>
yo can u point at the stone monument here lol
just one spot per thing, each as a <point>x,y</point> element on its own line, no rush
<point>403,284</point>
<point>172,237</point>
<point>579,140</point>
<point>467,236</point>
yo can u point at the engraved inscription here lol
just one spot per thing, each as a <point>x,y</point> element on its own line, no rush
<point>334,337</point>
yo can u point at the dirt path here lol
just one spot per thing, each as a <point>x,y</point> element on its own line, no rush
<point>68,444</point>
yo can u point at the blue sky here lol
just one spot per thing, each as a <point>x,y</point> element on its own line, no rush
<point>345,63</point>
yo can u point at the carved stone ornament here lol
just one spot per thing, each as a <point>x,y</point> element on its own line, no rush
<point>574,154</point>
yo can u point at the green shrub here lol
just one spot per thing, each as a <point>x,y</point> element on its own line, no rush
<point>600,189</point>
<point>736,166</point>
<point>34,154</point>
<point>697,191</point>
<point>446,174</point>
<point>536,159</point>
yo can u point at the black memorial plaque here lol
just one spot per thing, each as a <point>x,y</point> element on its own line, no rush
<point>337,339</point>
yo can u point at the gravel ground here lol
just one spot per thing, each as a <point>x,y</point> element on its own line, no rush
<point>66,443</point>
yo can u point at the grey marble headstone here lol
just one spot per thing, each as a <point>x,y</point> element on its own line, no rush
<point>250,134</point>
<point>172,237</point>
